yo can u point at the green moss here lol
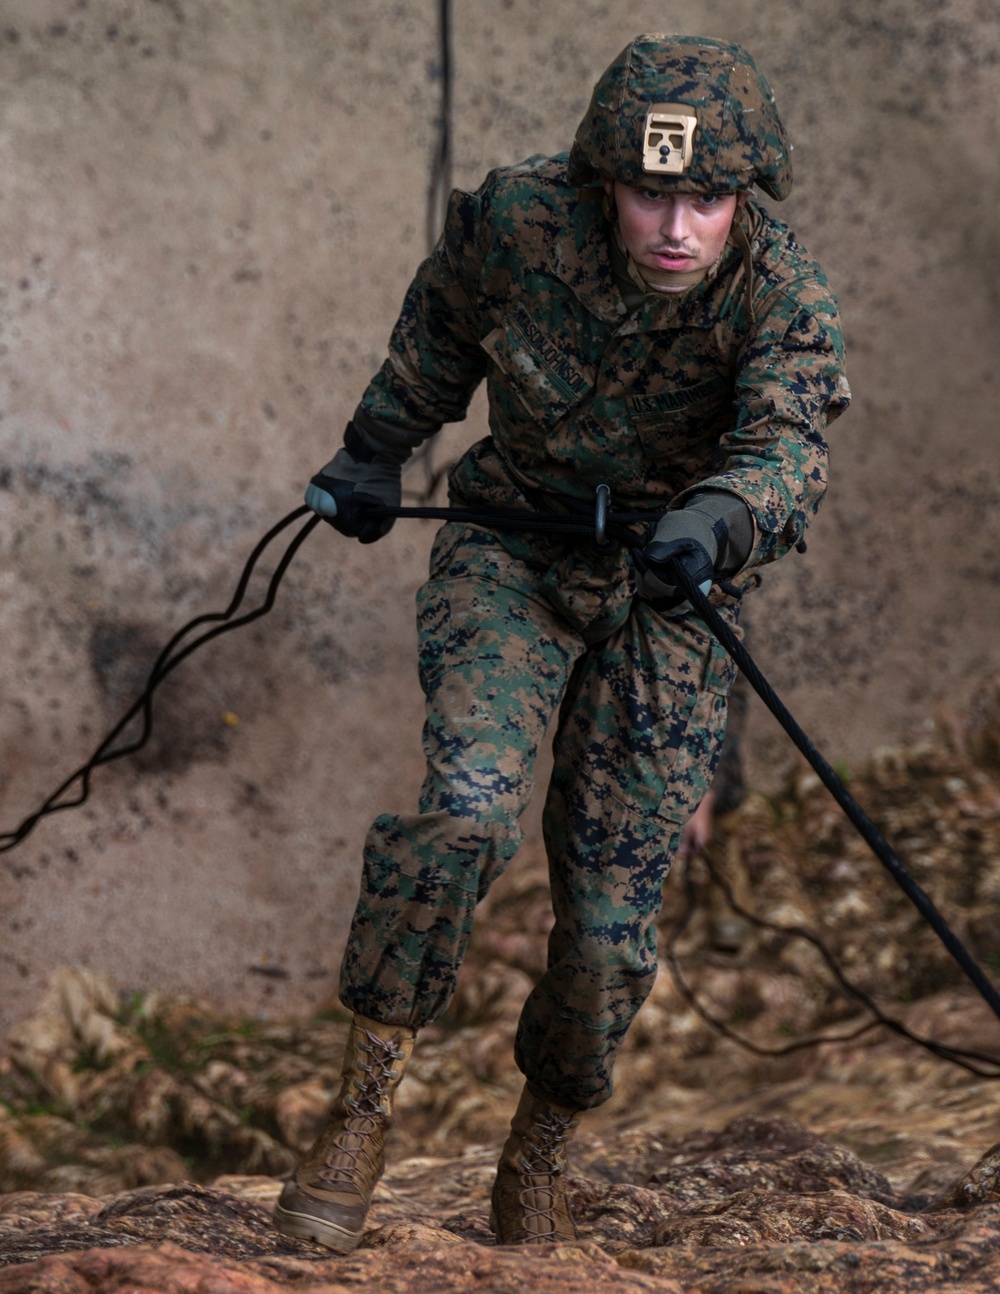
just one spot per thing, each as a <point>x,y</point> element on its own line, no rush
<point>332,1015</point>
<point>87,1060</point>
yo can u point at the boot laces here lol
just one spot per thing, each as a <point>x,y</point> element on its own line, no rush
<point>542,1151</point>
<point>366,1111</point>
<point>541,1164</point>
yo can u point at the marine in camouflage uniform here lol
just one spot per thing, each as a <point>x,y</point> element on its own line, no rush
<point>703,404</point>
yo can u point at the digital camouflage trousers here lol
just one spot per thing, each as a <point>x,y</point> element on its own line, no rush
<point>507,641</point>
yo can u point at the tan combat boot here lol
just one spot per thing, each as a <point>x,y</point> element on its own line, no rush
<point>529,1196</point>
<point>328,1197</point>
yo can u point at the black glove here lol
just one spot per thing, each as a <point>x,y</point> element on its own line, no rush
<point>345,492</point>
<point>365,475</point>
<point>692,546</point>
<point>357,480</point>
<point>712,534</point>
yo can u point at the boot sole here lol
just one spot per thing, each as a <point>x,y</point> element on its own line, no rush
<point>304,1227</point>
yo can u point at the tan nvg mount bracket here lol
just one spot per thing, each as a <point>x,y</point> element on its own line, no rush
<point>668,140</point>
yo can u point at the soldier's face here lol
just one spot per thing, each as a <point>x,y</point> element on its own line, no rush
<point>682,232</point>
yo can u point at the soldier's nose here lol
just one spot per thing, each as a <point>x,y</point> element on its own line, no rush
<point>675,223</point>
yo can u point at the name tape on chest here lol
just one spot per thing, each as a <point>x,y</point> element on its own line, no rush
<point>548,352</point>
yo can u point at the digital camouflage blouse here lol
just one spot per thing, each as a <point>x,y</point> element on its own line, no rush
<point>730,385</point>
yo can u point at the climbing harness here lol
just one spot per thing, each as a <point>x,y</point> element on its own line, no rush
<point>601,526</point>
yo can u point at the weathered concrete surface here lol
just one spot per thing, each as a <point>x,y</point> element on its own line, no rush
<point>208,215</point>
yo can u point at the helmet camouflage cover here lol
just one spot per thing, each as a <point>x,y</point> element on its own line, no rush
<point>688,113</point>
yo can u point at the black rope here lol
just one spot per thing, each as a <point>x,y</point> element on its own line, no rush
<point>861,821</point>
<point>671,957</point>
<point>171,657</point>
<point>439,187</point>
<point>168,660</point>
<point>617,528</point>
<point>965,1059</point>
<point>574,525</point>
<point>438,193</point>
<point>165,664</point>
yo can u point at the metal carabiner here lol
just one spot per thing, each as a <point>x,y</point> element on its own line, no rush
<point>601,516</point>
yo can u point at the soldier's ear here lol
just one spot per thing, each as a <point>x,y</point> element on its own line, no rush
<point>741,197</point>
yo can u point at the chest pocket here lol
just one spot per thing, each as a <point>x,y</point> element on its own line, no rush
<point>542,379</point>
<point>684,423</point>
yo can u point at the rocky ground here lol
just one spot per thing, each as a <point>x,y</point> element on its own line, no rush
<point>143,1138</point>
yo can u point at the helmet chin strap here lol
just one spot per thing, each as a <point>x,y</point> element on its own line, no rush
<point>739,237</point>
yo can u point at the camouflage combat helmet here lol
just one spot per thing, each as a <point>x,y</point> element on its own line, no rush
<point>687,113</point>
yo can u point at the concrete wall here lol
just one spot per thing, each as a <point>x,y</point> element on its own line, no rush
<point>209,211</point>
